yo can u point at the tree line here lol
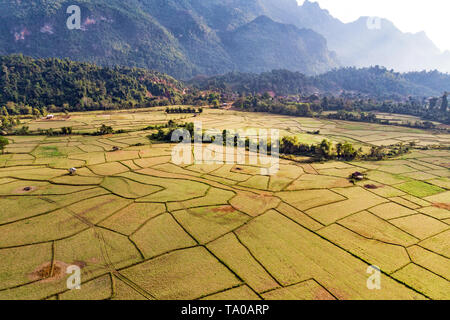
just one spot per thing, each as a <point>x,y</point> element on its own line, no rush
<point>291,146</point>
<point>31,86</point>
<point>184,110</point>
<point>349,108</point>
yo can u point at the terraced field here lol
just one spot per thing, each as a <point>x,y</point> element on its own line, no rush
<point>141,227</point>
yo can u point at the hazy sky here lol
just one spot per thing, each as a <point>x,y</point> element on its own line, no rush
<point>431,16</point>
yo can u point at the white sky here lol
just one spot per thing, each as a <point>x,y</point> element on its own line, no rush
<point>431,16</point>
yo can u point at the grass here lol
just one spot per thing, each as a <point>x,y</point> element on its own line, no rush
<point>420,225</point>
<point>431,261</point>
<point>131,218</point>
<point>373,227</point>
<point>97,251</point>
<point>26,258</point>
<point>439,244</point>
<point>161,234</point>
<point>17,208</point>
<point>236,256</point>
<point>423,280</point>
<point>419,189</point>
<point>307,199</point>
<point>358,199</point>
<point>55,225</point>
<point>386,256</point>
<point>292,254</point>
<point>308,290</point>
<point>49,152</point>
<point>97,289</point>
<point>220,231</point>
<point>127,188</point>
<point>208,223</point>
<point>391,210</point>
<point>184,275</point>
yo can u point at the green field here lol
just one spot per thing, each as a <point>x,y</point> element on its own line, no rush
<point>141,227</point>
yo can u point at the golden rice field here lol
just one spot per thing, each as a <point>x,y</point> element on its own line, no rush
<point>141,227</point>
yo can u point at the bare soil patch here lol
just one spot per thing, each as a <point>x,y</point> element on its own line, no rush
<point>445,206</point>
<point>23,190</point>
<point>48,273</point>
<point>226,209</point>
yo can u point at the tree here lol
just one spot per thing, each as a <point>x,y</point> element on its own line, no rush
<point>325,149</point>
<point>324,103</point>
<point>348,151</point>
<point>36,112</point>
<point>23,131</point>
<point>5,111</point>
<point>215,103</point>
<point>12,108</point>
<point>266,96</point>
<point>66,130</point>
<point>3,143</point>
<point>444,105</point>
<point>103,130</point>
<point>433,103</point>
<point>339,149</point>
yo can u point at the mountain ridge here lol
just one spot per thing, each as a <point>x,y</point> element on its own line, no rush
<point>358,45</point>
<point>180,37</point>
<point>374,82</point>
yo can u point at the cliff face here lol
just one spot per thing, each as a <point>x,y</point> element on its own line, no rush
<point>180,37</point>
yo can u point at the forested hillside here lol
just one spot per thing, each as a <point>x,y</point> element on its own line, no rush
<point>36,86</point>
<point>375,82</point>
<point>182,38</point>
<point>75,86</point>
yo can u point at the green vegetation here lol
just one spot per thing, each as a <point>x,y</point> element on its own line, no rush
<point>184,110</point>
<point>280,106</point>
<point>104,130</point>
<point>3,143</point>
<point>49,151</point>
<point>291,145</point>
<point>36,87</point>
<point>326,150</point>
<point>63,85</point>
<point>344,197</point>
<point>373,82</point>
<point>180,38</point>
<point>170,229</point>
<point>374,89</point>
<point>419,189</point>
<point>348,108</point>
<point>372,118</point>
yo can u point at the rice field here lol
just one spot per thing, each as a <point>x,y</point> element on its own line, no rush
<point>141,227</point>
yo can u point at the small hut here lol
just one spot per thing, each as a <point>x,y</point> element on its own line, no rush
<point>358,176</point>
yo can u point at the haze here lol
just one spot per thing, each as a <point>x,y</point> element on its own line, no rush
<point>413,16</point>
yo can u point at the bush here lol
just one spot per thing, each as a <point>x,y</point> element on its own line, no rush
<point>104,130</point>
<point>3,143</point>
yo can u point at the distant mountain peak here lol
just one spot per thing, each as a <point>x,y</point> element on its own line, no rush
<point>263,19</point>
<point>183,38</point>
<point>311,4</point>
<point>366,41</point>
